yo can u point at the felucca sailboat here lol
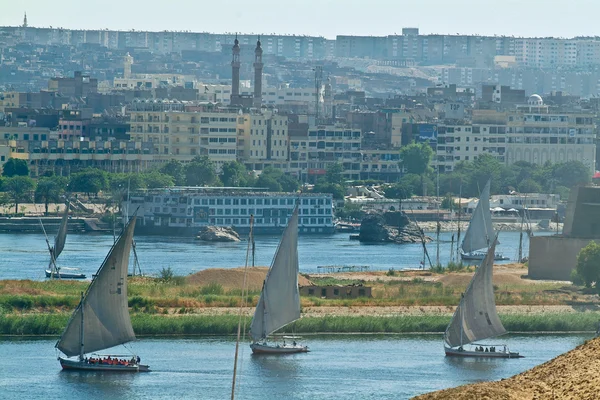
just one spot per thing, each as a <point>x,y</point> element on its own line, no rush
<point>279,302</point>
<point>476,317</point>
<point>480,231</point>
<point>101,320</point>
<point>53,271</point>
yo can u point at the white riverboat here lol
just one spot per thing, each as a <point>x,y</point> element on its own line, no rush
<point>184,210</point>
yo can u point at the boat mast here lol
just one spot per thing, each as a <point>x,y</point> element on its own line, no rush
<point>81,330</point>
<point>461,319</point>
<point>51,251</point>
<point>243,303</point>
<point>438,227</point>
<point>520,254</point>
<point>458,233</point>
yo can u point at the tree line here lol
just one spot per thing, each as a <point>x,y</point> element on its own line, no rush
<point>18,188</point>
<point>469,177</point>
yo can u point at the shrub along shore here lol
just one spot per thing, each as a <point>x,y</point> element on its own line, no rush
<point>164,325</point>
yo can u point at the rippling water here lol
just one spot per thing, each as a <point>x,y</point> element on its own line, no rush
<point>24,256</point>
<point>338,367</point>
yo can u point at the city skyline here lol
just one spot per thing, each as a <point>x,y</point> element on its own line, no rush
<point>384,17</point>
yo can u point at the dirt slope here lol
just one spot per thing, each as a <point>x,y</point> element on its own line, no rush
<point>571,376</point>
<point>233,278</point>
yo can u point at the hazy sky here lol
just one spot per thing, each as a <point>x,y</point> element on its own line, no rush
<point>327,18</point>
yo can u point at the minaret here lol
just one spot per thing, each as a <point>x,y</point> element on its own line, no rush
<point>127,62</point>
<point>258,66</point>
<point>235,71</point>
<point>25,21</point>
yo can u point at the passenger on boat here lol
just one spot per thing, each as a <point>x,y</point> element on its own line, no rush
<point>294,343</point>
<point>486,349</point>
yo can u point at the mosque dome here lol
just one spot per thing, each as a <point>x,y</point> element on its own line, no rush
<point>535,100</point>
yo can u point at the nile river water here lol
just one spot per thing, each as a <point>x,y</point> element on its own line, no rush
<point>338,367</point>
<point>24,256</point>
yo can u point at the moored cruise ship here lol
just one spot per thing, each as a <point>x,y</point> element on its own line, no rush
<point>184,210</point>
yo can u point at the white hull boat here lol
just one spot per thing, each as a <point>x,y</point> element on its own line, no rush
<point>264,348</point>
<point>461,352</point>
<point>64,275</point>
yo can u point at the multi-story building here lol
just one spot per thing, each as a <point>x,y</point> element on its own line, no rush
<point>183,131</point>
<point>534,133</point>
<point>323,145</point>
<point>263,138</point>
<point>43,152</point>
<point>78,86</point>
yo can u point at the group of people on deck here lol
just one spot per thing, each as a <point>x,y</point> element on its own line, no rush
<point>492,349</point>
<point>112,361</point>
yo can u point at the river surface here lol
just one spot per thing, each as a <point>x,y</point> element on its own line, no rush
<point>338,367</point>
<point>24,256</point>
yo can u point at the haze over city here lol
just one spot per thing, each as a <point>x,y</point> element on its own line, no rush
<point>328,18</point>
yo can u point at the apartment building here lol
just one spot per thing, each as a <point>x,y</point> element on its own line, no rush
<point>323,145</point>
<point>43,152</point>
<point>263,138</point>
<point>183,131</point>
<point>534,133</point>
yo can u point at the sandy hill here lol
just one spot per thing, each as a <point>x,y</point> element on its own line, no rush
<point>574,376</point>
<point>233,278</point>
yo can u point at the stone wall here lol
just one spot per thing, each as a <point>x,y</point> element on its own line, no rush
<point>554,257</point>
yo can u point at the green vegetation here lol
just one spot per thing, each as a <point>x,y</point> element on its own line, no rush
<point>587,269</point>
<point>18,189</point>
<point>471,176</point>
<point>452,266</point>
<point>15,167</point>
<point>157,325</point>
<point>49,189</point>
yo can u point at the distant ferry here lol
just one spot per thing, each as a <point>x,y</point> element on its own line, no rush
<point>182,211</point>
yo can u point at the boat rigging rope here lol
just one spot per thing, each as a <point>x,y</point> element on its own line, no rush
<point>242,305</point>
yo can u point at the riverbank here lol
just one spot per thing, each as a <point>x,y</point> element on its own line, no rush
<point>226,324</point>
<point>208,302</point>
<point>452,226</point>
<point>574,375</point>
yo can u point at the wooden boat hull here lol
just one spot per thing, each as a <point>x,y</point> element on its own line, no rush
<point>64,275</point>
<point>258,348</point>
<point>72,365</point>
<point>480,354</point>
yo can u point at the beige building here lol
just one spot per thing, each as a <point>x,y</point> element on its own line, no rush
<point>66,156</point>
<point>265,137</point>
<point>324,145</point>
<point>183,131</point>
<point>534,133</point>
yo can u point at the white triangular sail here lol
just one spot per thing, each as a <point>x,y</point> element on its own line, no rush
<point>106,321</point>
<point>476,317</point>
<point>480,231</point>
<point>61,236</point>
<point>279,302</point>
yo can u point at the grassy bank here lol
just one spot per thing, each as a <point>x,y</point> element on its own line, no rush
<point>155,296</point>
<point>157,324</point>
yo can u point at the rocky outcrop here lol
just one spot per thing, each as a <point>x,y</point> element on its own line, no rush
<point>373,229</point>
<point>218,234</point>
